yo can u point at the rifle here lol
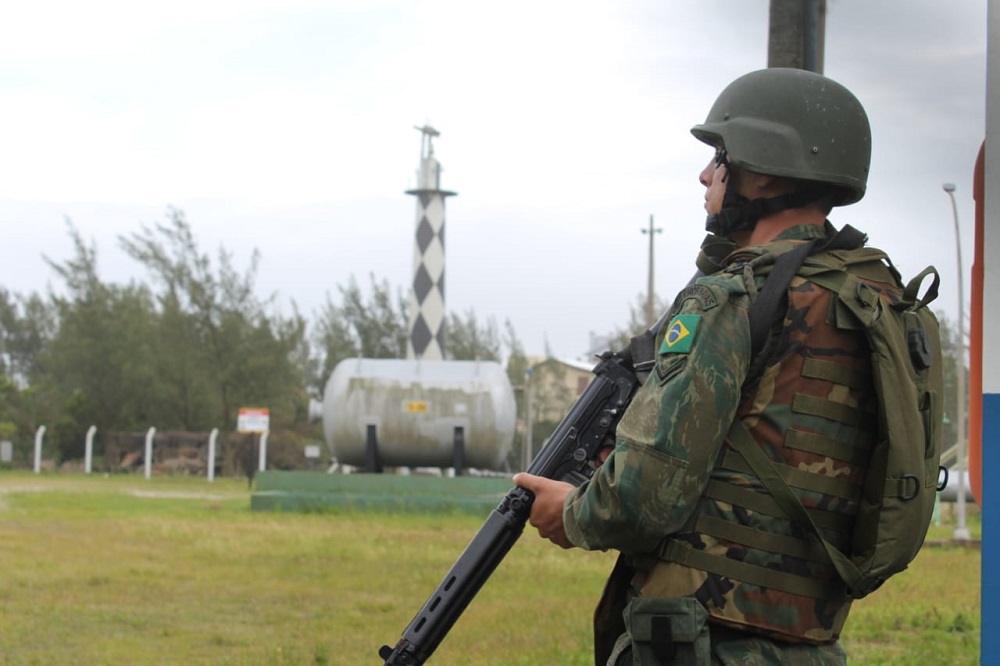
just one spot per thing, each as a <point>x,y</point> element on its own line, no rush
<point>567,456</point>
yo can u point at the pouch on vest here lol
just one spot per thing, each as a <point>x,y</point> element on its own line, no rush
<point>668,631</point>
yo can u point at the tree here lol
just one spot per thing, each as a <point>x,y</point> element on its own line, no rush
<point>949,353</point>
<point>372,327</point>
<point>467,339</point>
<point>517,373</point>
<point>232,350</point>
<point>96,369</point>
<point>517,360</point>
<point>378,325</point>
<point>26,327</point>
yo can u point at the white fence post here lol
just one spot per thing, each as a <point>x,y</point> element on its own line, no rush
<point>263,450</point>
<point>39,434</point>
<point>210,461</point>
<point>88,457</point>
<point>148,457</point>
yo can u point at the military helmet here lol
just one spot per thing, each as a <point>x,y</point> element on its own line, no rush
<point>794,124</point>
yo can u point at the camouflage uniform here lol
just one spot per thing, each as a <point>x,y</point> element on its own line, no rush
<point>684,508</point>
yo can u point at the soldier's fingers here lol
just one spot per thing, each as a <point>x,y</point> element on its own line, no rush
<point>527,481</point>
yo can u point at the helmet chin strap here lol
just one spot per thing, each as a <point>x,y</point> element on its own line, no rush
<point>736,215</point>
<point>739,213</point>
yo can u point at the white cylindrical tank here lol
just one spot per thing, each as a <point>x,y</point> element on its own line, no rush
<point>415,407</point>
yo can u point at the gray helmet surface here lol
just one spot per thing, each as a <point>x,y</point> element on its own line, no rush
<point>793,123</point>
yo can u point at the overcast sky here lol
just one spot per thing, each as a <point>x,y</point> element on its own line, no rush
<point>287,126</point>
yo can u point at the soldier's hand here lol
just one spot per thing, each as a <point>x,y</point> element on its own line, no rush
<point>547,510</point>
<point>602,455</point>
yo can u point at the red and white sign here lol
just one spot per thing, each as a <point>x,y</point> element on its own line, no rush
<point>253,420</point>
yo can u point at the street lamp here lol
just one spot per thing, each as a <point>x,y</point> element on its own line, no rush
<point>650,315</point>
<point>961,531</point>
<point>528,425</point>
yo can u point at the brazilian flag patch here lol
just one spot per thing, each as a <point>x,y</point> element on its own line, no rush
<point>680,334</point>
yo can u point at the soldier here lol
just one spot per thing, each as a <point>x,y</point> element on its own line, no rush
<point>711,570</point>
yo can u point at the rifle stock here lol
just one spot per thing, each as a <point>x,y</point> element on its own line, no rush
<point>567,456</point>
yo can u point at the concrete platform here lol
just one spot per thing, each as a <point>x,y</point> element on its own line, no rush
<point>317,491</point>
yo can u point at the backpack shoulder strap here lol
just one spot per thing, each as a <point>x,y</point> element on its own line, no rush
<point>765,310</point>
<point>769,302</point>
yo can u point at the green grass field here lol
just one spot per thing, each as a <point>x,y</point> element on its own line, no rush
<point>122,570</point>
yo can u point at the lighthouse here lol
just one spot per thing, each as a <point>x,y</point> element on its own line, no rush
<point>426,308</point>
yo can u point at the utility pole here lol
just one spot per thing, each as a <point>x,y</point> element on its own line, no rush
<point>650,300</point>
<point>796,30</point>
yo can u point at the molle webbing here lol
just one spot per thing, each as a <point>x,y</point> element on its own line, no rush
<point>834,411</point>
<point>759,502</point>
<point>769,474</point>
<point>797,478</point>
<point>760,539</point>
<point>815,368</point>
<point>856,453</point>
<point>675,551</point>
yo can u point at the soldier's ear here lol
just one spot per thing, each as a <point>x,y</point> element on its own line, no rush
<point>765,186</point>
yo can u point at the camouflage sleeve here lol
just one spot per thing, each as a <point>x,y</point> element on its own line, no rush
<point>669,438</point>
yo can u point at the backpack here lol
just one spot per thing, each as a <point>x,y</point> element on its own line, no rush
<point>901,481</point>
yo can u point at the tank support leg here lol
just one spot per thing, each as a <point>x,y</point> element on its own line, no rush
<point>373,463</point>
<point>458,454</point>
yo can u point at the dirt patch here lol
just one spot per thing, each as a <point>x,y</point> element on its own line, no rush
<point>172,494</point>
<point>16,488</point>
<point>19,487</point>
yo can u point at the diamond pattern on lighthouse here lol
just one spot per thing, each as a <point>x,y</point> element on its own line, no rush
<point>425,234</point>
<point>427,313</point>
<point>420,336</point>
<point>427,299</point>
<point>422,284</point>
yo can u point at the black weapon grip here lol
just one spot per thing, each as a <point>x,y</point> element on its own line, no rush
<point>473,567</point>
<point>567,456</point>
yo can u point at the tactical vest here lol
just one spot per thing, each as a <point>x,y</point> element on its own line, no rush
<point>813,411</point>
